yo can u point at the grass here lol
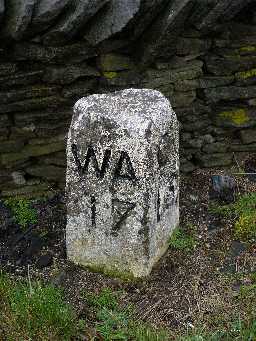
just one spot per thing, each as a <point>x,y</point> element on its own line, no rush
<point>39,312</point>
<point>180,240</point>
<point>243,212</point>
<point>34,312</point>
<point>117,323</point>
<point>23,212</point>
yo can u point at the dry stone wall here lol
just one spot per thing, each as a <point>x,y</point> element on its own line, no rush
<point>200,54</point>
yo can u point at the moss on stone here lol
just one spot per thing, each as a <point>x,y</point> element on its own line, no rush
<point>115,62</point>
<point>248,49</point>
<point>125,276</point>
<point>246,74</point>
<point>110,75</point>
<point>238,116</point>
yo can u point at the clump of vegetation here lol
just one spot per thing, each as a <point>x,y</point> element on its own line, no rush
<point>243,211</point>
<point>117,323</point>
<point>22,210</point>
<point>34,312</point>
<point>180,240</point>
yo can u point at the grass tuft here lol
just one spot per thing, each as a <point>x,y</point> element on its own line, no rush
<point>22,210</point>
<point>34,313</point>
<point>180,240</point>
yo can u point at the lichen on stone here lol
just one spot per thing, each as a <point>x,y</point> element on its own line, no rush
<point>110,74</point>
<point>247,49</point>
<point>246,74</point>
<point>238,116</point>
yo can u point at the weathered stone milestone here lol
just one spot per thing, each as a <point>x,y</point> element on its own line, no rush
<point>122,181</point>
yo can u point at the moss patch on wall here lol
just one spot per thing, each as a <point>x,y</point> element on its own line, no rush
<point>110,74</point>
<point>246,74</point>
<point>238,116</point>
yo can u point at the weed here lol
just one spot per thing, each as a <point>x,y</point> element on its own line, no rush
<point>243,212</point>
<point>22,210</point>
<point>37,314</point>
<point>182,241</point>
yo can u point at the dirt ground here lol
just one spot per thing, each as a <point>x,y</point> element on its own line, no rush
<point>186,289</point>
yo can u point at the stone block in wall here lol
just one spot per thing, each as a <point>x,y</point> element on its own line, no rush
<point>223,66</point>
<point>210,21</point>
<point>50,129</point>
<point>28,151</point>
<point>154,78</point>
<point>193,143</point>
<point>239,117</point>
<point>198,125</point>
<point>182,99</point>
<point>198,110</point>
<point>57,159</point>
<point>32,118</point>
<point>4,133</point>
<point>177,62</point>
<point>45,14</point>
<point>217,147</point>
<point>2,8</point>
<point>112,19</point>
<point>5,176</point>
<point>27,92</point>
<point>195,46</point>
<point>7,69</point>
<point>251,102</point>
<point>28,191</point>
<point>248,136</point>
<point>34,104</point>
<point>229,93</point>
<point>79,89</point>
<point>114,62</point>
<point>245,78</point>
<point>48,140</point>
<point>21,78</point>
<point>214,160</point>
<point>161,38</point>
<point>48,172</point>
<point>69,54</point>
<point>72,21</point>
<point>187,166</point>
<point>11,146</point>
<point>250,148</point>
<point>214,82</point>
<point>4,121</point>
<point>122,79</point>
<point>18,16</point>
<point>186,85</point>
<point>68,74</point>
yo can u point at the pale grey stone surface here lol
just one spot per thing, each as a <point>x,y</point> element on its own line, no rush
<point>46,13</point>
<point>18,17</point>
<point>120,216</point>
<point>79,12</point>
<point>2,7</point>
<point>112,20</point>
